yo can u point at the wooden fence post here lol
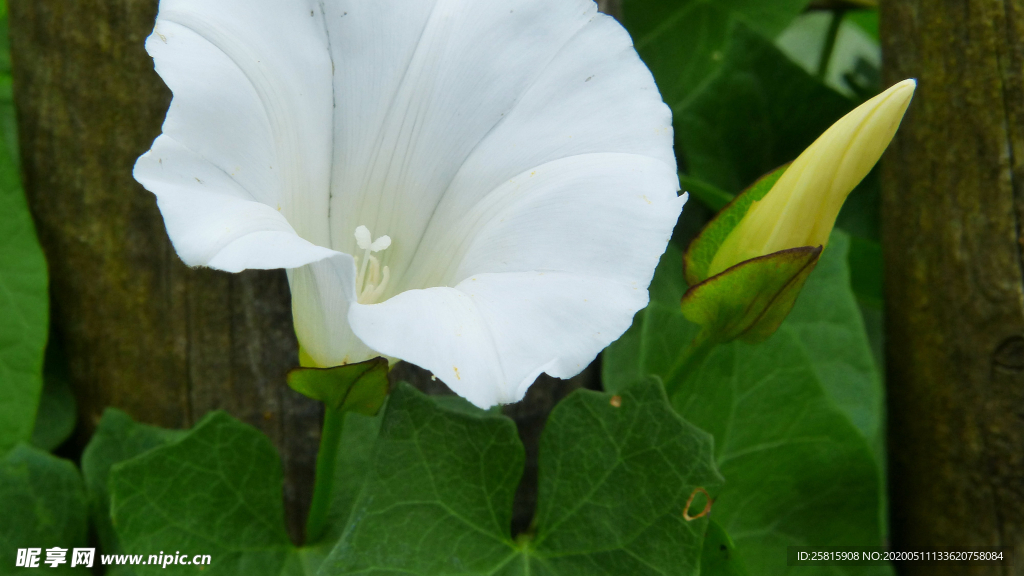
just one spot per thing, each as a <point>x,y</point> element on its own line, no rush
<point>953,203</point>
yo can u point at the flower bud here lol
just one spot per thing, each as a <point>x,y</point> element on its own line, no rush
<point>801,208</point>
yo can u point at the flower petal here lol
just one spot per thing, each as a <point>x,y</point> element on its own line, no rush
<point>592,95</point>
<point>253,101</point>
<point>517,150</point>
<point>596,96</point>
<point>212,221</point>
<point>606,215</point>
<point>321,296</point>
<point>490,337</point>
<point>424,83</point>
<point>559,263</point>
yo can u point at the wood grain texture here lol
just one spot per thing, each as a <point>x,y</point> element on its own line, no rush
<point>611,7</point>
<point>953,203</point>
<point>143,332</point>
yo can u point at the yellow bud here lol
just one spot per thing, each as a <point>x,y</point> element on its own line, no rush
<point>801,208</point>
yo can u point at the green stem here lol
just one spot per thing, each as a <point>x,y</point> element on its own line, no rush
<point>830,43</point>
<point>330,437</point>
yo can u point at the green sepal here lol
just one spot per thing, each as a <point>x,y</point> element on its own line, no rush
<point>703,248</point>
<point>750,300</point>
<point>360,387</point>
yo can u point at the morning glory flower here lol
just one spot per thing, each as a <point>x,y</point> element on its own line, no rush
<point>481,188</point>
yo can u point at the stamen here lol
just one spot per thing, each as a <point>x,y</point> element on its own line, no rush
<point>379,290</point>
<point>374,268</point>
<point>370,285</point>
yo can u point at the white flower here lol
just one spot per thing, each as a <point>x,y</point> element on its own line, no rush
<point>512,159</point>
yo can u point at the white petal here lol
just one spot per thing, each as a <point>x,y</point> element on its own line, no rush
<point>559,263</point>
<point>212,221</point>
<point>459,96</point>
<point>424,82</point>
<point>595,97</point>
<point>253,100</point>
<point>608,215</point>
<point>321,295</point>
<point>517,149</point>
<point>490,337</point>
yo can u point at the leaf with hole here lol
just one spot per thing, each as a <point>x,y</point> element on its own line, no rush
<point>615,475</point>
<point>796,419</point>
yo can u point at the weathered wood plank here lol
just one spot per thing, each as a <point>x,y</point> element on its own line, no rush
<point>142,331</point>
<point>953,202</point>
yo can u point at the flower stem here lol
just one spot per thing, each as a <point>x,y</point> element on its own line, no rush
<point>330,437</point>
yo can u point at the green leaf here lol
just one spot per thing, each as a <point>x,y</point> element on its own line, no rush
<point>827,323</point>
<point>438,496</point>
<point>24,303</point>
<point>866,20</point>
<point>24,307</point>
<point>351,467</point>
<point>719,555</point>
<point>8,128</point>
<point>43,507</point>
<point>213,490</point>
<point>682,41</point>
<point>117,439</point>
<point>856,57</point>
<point>216,491</point>
<point>794,418</point>
<point>56,416</point>
<point>703,248</point>
<point>758,112</point>
<point>434,491</point>
<point>615,474</point>
<point>360,387</point>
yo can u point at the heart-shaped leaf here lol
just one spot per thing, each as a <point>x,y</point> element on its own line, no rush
<point>43,507</point>
<point>432,494</point>
<point>795,418</point>
<point>616,472</point>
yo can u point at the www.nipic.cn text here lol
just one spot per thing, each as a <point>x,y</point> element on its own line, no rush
<point>85,557</point>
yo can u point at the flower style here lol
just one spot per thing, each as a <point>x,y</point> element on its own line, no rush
<point>482,188</point>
